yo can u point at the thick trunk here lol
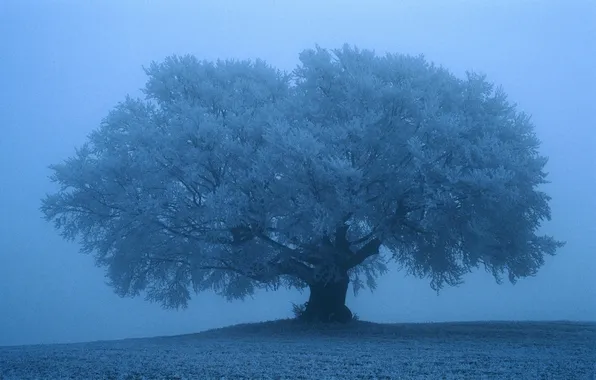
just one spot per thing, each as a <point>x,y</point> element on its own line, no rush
<point>327,302</point>
<point>333,256</point>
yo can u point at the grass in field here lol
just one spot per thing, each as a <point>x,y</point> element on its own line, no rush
<point>286,349</point>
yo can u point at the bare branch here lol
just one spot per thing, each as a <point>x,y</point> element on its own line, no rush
<point>369,249</point>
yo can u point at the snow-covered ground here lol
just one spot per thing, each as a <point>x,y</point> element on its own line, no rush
<point>286,350</point>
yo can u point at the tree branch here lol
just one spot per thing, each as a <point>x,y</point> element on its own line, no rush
<point>364,238</point>
<point>369,249</point>
<point>287,264</point>
<point>341,241</point>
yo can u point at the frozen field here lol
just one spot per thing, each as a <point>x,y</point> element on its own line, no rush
<point>285,350</point>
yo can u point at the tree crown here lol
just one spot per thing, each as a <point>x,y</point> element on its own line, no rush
<point>232,175</point>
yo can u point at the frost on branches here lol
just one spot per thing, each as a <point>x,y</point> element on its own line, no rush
<point>233,176</point>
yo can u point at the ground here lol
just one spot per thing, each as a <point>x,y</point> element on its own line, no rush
<point>360,350</point>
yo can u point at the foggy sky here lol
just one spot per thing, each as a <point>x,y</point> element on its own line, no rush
<point>65,64</point>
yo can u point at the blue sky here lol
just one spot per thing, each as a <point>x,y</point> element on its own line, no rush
<point>64,64</point>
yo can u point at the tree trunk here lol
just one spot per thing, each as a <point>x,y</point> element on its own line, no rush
<point>327,302</point>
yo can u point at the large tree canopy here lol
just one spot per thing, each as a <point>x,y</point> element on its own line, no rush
<point>234,176</point>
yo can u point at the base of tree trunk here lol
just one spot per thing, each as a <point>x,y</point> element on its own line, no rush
<point>327,303</point>
<point>342,314</point>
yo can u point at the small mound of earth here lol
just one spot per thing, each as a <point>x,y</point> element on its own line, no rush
<point>500,330</point>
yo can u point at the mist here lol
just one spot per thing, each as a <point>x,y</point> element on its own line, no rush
<point>65,64</point>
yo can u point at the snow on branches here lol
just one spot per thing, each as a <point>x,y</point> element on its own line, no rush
<point>234,176</point>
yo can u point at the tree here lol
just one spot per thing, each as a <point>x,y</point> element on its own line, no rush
<point>234,176</point>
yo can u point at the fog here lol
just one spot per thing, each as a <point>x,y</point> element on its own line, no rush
<point>65,64</point>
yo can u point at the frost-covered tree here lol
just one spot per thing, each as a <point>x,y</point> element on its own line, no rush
<point>233,176</point>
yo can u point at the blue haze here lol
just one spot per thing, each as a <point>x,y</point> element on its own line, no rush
<point>64,64</point>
